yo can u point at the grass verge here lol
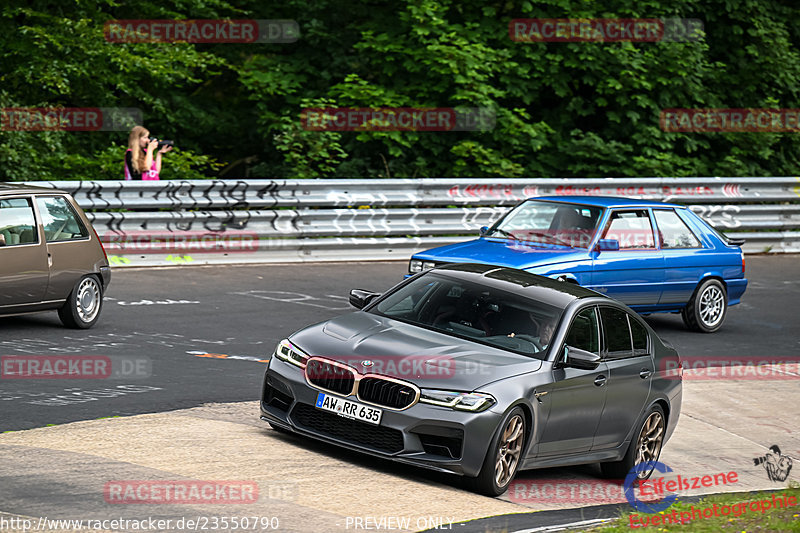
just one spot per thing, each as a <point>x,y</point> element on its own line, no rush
<point>734,513</point>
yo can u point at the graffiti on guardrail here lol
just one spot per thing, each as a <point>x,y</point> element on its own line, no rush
<point>719,215</point>
<point>505,191</point>
<point>303,219</point>
<point>319,193</point>
<point>235,194</point>
<point>176,194</point>
<point>210,221</point>
<point>483,191</point>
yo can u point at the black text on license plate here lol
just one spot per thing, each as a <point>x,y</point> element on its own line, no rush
<point>346,408</point>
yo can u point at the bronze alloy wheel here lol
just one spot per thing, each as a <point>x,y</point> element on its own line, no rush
<point>509,450</point>
<point>648,446</point>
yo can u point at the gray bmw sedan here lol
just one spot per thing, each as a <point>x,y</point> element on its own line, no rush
<point>481,371</point>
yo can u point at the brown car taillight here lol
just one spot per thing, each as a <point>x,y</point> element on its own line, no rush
<point>101,243</point>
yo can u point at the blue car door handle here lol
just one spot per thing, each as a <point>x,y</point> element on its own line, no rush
<point>645,373</point>
<point>600,380</point>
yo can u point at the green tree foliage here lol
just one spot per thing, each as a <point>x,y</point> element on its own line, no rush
<point>562,109</point>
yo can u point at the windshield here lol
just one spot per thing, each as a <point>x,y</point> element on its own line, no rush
<point>549,224</point>
<point>475,312</point>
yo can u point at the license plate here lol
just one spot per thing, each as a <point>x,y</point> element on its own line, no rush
<point>348,409</point>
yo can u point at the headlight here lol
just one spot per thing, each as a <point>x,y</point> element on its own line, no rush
<point>286,351</point>
<point>463,401</point>
<point>417,265</point>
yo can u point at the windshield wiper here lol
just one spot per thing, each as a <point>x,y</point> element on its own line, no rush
<point>549,236</point>
<point>507,234</point>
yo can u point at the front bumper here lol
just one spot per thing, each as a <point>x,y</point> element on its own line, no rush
<point>428,436</point>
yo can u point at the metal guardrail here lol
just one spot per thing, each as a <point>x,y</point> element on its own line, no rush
<point>271,194</point>
<point>242,221</point>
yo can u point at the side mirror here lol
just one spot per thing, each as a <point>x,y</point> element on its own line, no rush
<point>607,245</point>
<point>359,297</point>
<point>577,358</point>
<point>484,230</point>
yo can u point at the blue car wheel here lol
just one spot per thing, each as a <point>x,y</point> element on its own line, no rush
<point>705,312</point>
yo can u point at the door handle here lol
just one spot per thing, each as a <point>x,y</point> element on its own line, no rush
<point>49,259</point>
<point>645,373</point>
<point>600,380</point>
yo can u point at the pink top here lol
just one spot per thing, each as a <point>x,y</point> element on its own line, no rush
<point>151,174</point>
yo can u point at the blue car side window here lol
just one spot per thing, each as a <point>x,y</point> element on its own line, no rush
<point>632,229</point>
<point>673,231</point>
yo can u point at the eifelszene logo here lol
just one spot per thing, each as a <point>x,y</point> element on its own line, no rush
<point>633,477</point>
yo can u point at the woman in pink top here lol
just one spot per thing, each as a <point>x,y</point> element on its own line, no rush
<point>140,164</point>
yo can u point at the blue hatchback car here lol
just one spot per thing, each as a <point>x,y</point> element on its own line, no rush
<point>653,256</point>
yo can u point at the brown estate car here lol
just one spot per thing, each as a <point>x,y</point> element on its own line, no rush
<point>50,256</point>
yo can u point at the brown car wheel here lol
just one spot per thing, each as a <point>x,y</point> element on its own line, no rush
<point>82,308</point>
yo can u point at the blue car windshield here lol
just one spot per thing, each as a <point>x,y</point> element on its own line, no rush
<point>475,312</point>
<point>549,224</point>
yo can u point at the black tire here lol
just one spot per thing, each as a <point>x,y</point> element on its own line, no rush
<point>512,429</point>
<point>705,312</point>
<point>647,431</point>
<point>83,305</point>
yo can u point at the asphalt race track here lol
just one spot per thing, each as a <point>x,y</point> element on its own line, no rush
<point>162,315</point>
<point>191,344</point>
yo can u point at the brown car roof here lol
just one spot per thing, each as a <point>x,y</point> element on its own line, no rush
<point>7,189</point>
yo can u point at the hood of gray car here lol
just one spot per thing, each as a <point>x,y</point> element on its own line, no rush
<point>374,344</point>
